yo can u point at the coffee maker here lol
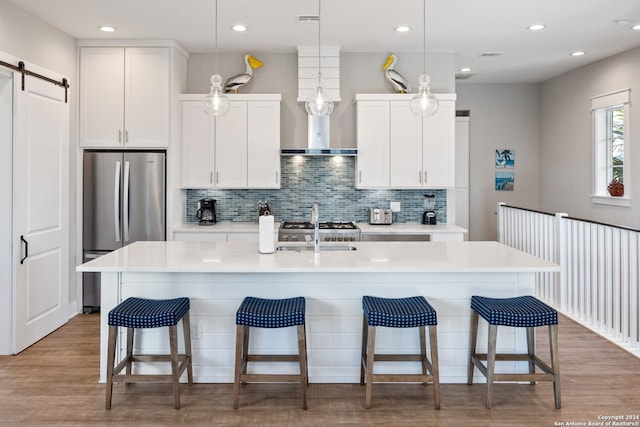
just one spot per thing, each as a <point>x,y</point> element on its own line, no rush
<point>429,215</point>
<point>206,212</point>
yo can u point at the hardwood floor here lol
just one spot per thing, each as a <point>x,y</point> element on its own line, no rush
<point>55,382</point>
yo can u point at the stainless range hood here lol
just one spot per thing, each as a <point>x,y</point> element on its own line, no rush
<point>318,141</point>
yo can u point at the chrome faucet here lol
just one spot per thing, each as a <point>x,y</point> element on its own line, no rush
<point>316,228</point>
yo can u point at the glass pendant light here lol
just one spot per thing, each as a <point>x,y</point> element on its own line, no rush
<point>216,103</point>
<point>424,103</point>
<point>319,103</point>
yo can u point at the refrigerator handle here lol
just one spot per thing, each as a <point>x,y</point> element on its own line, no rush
<point>125,207</point>
<point>116,201</point>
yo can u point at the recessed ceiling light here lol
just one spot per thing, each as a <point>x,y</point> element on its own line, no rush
<point>402,29</point>
<point>107,29</point>
<point>577,53</point>
<point>536,27</point>
<point>465,69</point>
<point>636,27</point>
<point>239,28</point>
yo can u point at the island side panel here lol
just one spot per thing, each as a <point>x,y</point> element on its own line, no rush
<point>334,318</point>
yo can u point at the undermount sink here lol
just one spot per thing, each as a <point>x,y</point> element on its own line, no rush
<point>296,248</point>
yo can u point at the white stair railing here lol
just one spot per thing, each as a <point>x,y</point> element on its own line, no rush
<point>599,281</point>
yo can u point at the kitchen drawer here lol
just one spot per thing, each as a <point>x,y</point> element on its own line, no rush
<point>199,237</point>
<point>395,237</point>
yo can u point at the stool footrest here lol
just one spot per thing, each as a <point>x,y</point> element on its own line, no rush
<point>516,358</point>
<point>270,378</point>
<point>418,378</point>
<point>398,357</point>
<point>184,361</point>
<point>273,358</point>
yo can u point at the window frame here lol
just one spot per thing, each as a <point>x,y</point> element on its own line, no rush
<point>602,161</point>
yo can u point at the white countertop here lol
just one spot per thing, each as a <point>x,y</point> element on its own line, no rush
<point>409,228</point>
<point>243,257</point>
<point>366,228</point>
<point>221,227</point>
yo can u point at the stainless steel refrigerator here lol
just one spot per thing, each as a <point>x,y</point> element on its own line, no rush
<point>123,202</point>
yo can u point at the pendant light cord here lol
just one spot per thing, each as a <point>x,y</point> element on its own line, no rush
<point>424,36</point>
<point>319,53</point>
<point>215,37</point>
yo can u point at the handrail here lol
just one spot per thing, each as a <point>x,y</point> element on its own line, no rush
<point>623,227</point>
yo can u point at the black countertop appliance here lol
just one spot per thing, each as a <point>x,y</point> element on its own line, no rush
<point>206,212</point>
<point>429,215</point>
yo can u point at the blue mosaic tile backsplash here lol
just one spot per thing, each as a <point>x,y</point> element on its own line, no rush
<point>328,181</point>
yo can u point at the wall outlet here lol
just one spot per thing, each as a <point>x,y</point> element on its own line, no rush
<point>395,206</point>
<point>196,330</point>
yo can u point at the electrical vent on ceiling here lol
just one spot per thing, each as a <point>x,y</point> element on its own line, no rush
<point>308,70</point>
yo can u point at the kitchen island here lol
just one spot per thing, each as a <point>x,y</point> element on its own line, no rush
<point>216,276</point>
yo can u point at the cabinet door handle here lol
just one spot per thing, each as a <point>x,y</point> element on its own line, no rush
<point>26,249</point>
<point>126,136</point>
<point>217,177</point>
<point>119,137</point>
<point>211,177</point>
<point>425,177</point>
<point>360,177</point>
<point>276,177</point>
<point>420,177</point>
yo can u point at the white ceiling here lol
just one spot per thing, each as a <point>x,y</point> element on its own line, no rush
<point>464,27</point>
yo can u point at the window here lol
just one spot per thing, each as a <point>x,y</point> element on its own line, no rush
<point>611,139</point>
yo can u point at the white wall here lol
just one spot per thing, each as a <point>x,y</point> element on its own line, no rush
<point>359,73</point>
<point>566,139</point>
<point>503,116</point>
<point>29,39</point>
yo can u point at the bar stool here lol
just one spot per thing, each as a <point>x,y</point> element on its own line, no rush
<point>520,312</point>
<point>135,313</point>
<point>399,313</point>
<point>269,313</point>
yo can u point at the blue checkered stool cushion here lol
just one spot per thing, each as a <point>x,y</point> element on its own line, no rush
<point>148,313</point>
<point>398,312</point>
<point>271,313</point>
<point>525,311</point>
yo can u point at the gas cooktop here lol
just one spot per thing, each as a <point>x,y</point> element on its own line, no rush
<point>330,231</point>
<point>328,225</point>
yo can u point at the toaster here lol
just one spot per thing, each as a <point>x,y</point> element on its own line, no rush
<point>380,216</point>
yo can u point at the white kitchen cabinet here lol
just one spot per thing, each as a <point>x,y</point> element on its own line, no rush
<point>231,147</point>
<point>263,144</point>
<point>197,149</point>
<point>238,150</point>
<point>397,149</point>
<point>125,97</point>
<point>372,129</point>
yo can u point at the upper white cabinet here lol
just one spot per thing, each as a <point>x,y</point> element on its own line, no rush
<point>125,96</point>
<point>397,149</point>
<point>238,150</point>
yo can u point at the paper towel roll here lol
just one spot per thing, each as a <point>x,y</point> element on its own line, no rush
<point>267,243</point>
